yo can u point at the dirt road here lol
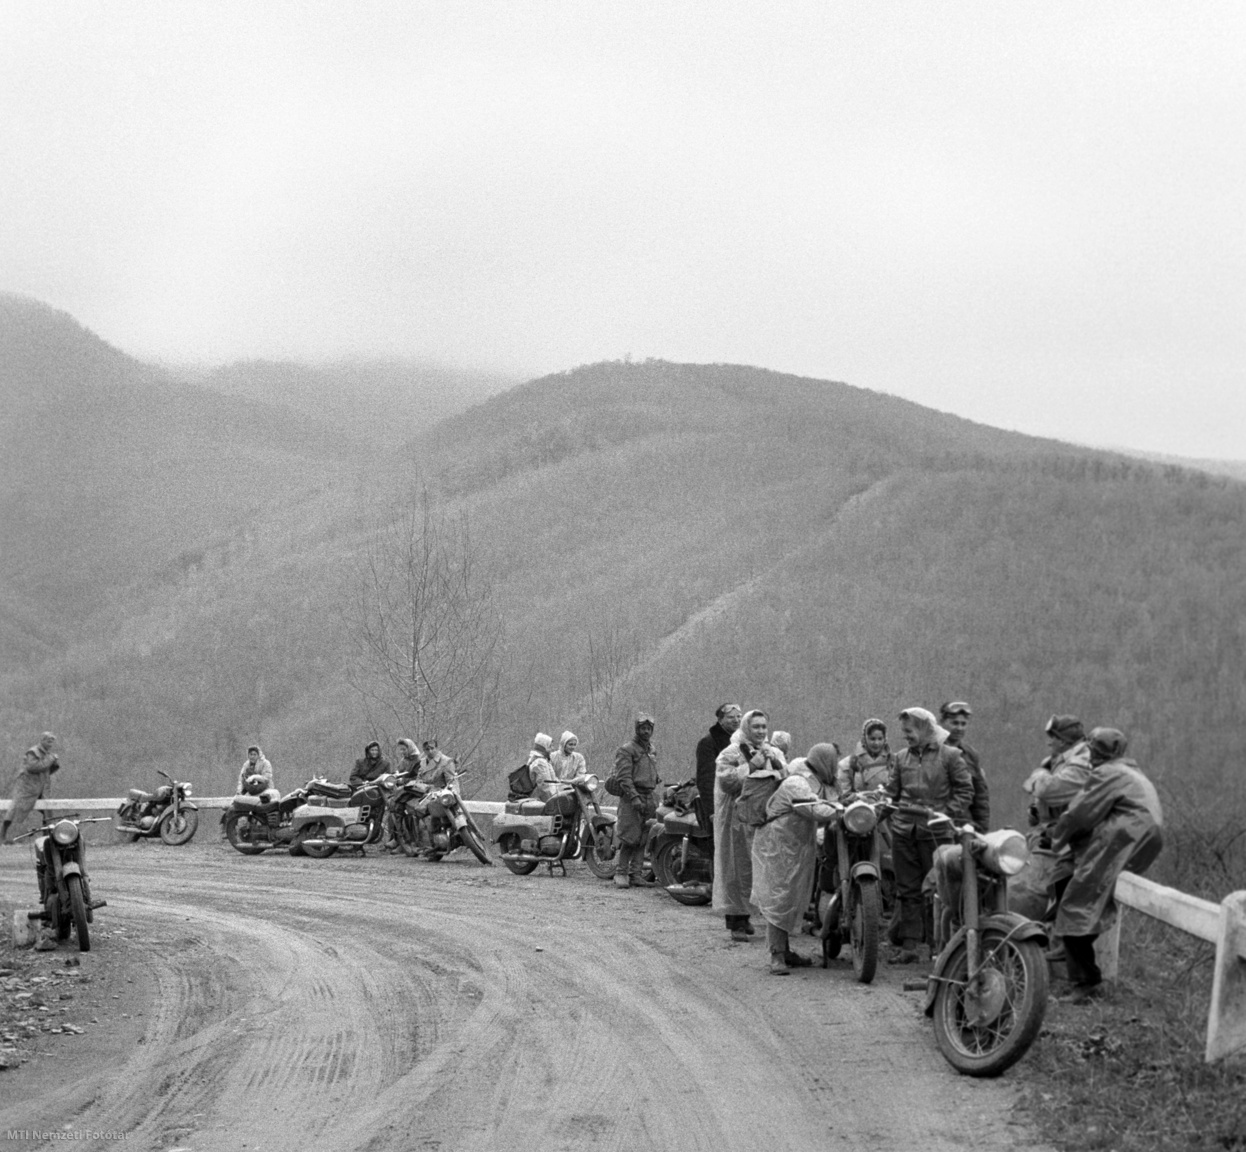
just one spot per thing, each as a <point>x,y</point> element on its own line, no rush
<point>385,1003</point>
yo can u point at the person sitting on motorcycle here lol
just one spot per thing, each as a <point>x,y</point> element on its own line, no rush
<point>256,764</point>
<point>408,767</point>
<point>567,761</point>
<point>544,779</point>
<point>370,766</point>
<point>869,767</point>
<point>437,771</point>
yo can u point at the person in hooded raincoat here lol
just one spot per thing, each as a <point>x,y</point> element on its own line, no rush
<point>785,850</point>
<point>748,754</point>
<point>544,778</point>
<point>869,766</point>
<point>568,762</point>
<point>636,770</point>
<point>370,766</point>
<point>34,782</point>
<point>726,721</point>
<point>1114,823</point>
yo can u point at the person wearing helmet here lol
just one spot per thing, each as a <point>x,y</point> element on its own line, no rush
<point>33,783</point>
<point>636,771</point>
<point>1062,774</point>
<point>1114,823</point>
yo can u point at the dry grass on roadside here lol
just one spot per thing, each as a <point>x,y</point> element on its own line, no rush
<point>1127,1073</point>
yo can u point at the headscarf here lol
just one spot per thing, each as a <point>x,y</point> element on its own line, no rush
<point>543,742</point>
<point>1107,743</point>
<point>823,759</point>
<point>938,733</point>
<point>562,741</point>
<point>47,740</point>
<point>407,746</point>
<point>782,741</point>
<point>368,748</point>
<point>741,734</point>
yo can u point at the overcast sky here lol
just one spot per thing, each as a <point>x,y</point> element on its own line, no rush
<point>1029,214</point>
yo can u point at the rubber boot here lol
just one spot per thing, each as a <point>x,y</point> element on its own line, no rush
<point>622,863</point>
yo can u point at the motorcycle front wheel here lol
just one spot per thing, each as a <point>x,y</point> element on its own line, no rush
<point>471,838</point>
<point>405,833</point>
<point>864,928</point>
<point>510,843</point>
<point>179,829</point>
<point>600,866</point>
<point>985,1031</point>
<point>238,833</point>
<point>78,908</point>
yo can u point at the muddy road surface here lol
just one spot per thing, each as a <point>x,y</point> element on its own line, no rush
<point>272,1003</point>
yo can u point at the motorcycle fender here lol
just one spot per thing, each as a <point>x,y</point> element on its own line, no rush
<point>603,821</point>
<point>189,804</point>
<point>525,827</point>
<point>830,918</point>
<point>863,869</point>
<point>70,868</point>
<point>1012,923</point>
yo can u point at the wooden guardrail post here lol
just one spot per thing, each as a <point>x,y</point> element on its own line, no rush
<point>1226,1018</point>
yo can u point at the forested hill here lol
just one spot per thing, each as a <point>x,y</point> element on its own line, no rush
<point>671,536</point>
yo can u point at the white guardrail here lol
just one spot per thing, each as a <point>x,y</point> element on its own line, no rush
<point>1223,925</point>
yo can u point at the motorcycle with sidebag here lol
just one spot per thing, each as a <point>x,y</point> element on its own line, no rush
<point>988,991</point>
<point>568,826</point>
<point>261,818</point>
<point>680,850</point>
<point>64,886</point>
<point>168,812</point>
<point>850,904</point>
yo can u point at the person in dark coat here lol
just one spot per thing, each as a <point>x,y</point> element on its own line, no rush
<point>1114,823</point>
<point>636,771</point>
<point>727,720</point>
<point>954,716</point>
<point>370,766</point>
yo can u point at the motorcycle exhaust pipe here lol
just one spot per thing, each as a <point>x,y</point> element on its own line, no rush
<point>527,858</point>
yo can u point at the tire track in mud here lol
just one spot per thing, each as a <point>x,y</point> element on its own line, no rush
<point>386,1003</point>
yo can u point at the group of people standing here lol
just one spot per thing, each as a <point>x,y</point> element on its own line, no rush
<point>1091,806</point>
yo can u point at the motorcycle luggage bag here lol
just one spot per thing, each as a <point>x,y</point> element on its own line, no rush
<point>137,795</point>
<point>680,823</point>
<point>328,788</point>
<point>525,807</point>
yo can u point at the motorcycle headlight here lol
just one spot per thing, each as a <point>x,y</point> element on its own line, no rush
<point>860,818</point>
<point>186,789</point>
<point>65,833</point>
<point>1005,851</point>
<point>588,782</point>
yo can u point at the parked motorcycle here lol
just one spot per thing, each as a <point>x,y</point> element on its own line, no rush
<point>326,823</point>
<point>448,825</point>
<point>254,823</point>
<point>569,826</point>
<point>988,991</point>
<point>681,852</point>
<point>851,903</point>
<point>168,812</point>
<point>61,870</point>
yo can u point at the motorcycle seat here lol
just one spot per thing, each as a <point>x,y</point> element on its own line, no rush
<point>138,795</point>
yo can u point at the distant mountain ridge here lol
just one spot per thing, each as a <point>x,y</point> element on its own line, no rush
<point>665,536</point>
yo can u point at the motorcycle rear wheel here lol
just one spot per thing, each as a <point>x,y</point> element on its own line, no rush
<point>510,843</point>
<point>667,868</point>
<point>78,908</point>
<point>987,1034</point>
<point>181,832</point>
<point>313,832</point>
<point>471,838</point>
<point>864,928</point>
<point>239,834</point>
<point>405,833</point>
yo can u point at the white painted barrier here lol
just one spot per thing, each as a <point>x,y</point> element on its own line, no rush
<point>111,804</point>
<point>1223,925</point>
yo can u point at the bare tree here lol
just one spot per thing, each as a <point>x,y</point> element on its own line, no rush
<point>428,658</point>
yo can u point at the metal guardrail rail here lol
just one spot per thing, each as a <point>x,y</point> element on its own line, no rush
<point>1223,925</point>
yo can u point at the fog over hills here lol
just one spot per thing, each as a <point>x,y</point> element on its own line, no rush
<point>659,535</point>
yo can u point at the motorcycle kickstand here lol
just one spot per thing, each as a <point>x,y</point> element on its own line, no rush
<point>561,864</point>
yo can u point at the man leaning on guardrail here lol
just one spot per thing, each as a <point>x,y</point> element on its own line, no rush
<point>1114,823</point>
<point>34,782</point>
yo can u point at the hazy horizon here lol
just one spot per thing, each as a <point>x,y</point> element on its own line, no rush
<point>1027,216</point>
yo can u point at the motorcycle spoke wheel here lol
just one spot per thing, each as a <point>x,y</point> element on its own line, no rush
<point>983,1033</point>
<point>78,908</point>
<point>601,866</point>
<point>405,833</point>
<point>317,851</point>
<point>179,829</point>
<point>866,916</point>
<point>519,867</point>
<point>471,838</point>
<point>238,833</point>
